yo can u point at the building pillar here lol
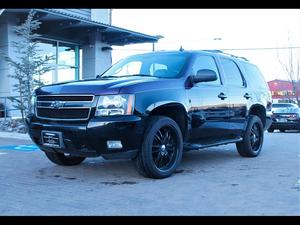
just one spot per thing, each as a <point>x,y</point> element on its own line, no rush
<point>7,83</point>
<point>94,60</point>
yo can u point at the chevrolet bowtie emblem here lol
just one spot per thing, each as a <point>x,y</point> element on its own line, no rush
<point>57,104</point>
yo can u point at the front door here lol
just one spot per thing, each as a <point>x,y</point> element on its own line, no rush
<point>209,104</point>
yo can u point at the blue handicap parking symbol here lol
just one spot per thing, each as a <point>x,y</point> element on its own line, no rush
<point>20,147</point>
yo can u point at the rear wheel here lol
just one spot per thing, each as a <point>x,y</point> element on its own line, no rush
<point>63,159</point>
<point>270,130</point>
<point>281,130</point>
<point>161,150</point>
<point>253,138</point>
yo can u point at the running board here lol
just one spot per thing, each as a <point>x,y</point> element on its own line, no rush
<point>188,147</point>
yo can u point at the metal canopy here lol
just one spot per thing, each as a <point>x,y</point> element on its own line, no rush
<point>56,24</point>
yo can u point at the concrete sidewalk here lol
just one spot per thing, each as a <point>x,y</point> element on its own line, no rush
<point>14,135</point>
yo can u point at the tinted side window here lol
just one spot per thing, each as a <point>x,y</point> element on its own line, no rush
<point>254,76</point>
<point>158,69</point>
<point>232,73</point>
<point>206,62</point>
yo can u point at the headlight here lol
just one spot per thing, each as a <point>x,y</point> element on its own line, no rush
<point>293,117</point>
<point>110,105</point>
<point>33,99</point>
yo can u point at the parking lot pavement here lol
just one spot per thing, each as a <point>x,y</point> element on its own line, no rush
<point>214,181</point>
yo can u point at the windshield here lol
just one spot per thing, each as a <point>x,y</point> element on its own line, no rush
<point>167,65</point>
<point>287,110</point>
<point>282,105</point>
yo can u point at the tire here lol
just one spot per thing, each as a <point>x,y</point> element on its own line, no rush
<point>161,150</point>
<point>63,160</point>
<point>282,130</point>
<point>270,130</point>
<point>252,142</point>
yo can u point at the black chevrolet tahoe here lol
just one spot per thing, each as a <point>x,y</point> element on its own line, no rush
<point>151,108</point>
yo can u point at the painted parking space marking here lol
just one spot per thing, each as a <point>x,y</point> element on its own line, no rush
<point>26,148</point>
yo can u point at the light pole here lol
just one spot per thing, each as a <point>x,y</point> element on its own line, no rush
<point>153,43</point>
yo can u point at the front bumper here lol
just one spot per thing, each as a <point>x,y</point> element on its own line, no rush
<point>285,125</point>
<point>89,139</point>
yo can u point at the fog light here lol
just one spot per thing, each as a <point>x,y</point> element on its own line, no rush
<point>114,144</point>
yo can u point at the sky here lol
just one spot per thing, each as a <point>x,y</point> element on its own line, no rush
<point>196,29</point>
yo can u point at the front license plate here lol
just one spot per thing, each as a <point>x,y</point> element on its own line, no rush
<point>52,139</point>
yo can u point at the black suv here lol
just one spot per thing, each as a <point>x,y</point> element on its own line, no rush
<point>152,107</point>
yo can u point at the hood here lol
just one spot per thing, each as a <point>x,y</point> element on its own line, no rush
<point>106,86</point>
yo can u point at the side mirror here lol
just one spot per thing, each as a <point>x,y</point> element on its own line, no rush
<point>204,76</point>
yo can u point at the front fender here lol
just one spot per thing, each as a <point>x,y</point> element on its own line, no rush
<point>145,102</point>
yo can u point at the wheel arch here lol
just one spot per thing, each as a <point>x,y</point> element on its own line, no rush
<point>175,111</point>
<point>260,111</point>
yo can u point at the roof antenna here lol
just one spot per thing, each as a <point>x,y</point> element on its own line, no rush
<point>181,48</point>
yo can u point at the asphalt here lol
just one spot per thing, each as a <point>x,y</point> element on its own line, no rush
<point>213,181</point>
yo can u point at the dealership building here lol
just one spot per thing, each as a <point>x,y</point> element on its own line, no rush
<point>80,40</point>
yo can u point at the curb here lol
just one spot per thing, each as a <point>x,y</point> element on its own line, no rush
<point>14,135</point>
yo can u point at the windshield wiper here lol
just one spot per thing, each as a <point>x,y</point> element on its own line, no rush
<point>142,75</point>
<point>106,77</point>
<point>138,75</point>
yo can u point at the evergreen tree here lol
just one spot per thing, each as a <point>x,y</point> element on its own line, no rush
<point>28,64</point>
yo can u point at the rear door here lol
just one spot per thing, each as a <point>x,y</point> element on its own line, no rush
<point>238,95</point>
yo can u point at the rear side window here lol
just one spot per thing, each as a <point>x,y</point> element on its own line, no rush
<point>232,73</point>
<point>206,62</point>
<point>254,76</point>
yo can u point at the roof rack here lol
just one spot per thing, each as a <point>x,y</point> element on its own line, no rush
<point>219,51</point>
<point>213,50</point>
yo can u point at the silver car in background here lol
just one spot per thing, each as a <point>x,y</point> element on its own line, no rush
<point>285,116</point>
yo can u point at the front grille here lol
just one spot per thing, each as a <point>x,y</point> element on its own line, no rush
<point>283,115</point>
<point>64,107</point>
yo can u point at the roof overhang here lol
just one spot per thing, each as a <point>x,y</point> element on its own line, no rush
<point>56,24</point>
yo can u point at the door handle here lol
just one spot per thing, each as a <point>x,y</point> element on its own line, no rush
<point>247,96</point>
<point>222,96</point>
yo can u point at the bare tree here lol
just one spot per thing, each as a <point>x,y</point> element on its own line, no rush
<point>292,69</point>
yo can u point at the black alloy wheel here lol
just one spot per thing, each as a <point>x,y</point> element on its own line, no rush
<point>161,150</point>
<point>253,138</point>
<point>164,148</point>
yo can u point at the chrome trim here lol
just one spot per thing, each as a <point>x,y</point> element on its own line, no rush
<point>68,96</point>
<point>45,107</point>
<point>63,101</point>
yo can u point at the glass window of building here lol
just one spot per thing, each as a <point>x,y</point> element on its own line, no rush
<point>65,61</point>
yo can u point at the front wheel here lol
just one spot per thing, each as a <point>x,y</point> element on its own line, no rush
<point>161,150</point>
<point>64,160</point>
<point>253,138</point>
